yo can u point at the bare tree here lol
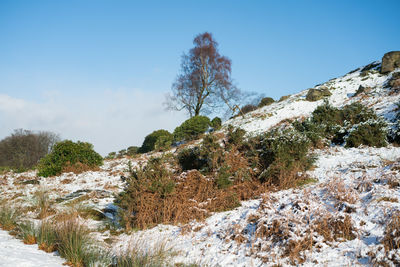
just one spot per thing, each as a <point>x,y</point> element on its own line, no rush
<point>204,83</point>
<point>24,149</point>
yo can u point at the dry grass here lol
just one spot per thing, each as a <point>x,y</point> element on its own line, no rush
<point>391,239</point>
<point>9,216</point>
<point>388,199</point>
<point>335,228</point>
<point>295,249</point>
<point>139,254</point>
<point>194,197</point>
<point>337,189</point>
<point>43,204</point>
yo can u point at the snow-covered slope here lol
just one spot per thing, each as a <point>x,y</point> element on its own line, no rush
<point>356,185</point>
<point>343,91</point>
<point>13,253</point>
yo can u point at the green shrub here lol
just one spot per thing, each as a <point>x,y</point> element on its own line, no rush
<point>235,136</point>
<point>67,153</point>
<point>216,123</point>
<point>189,159</point>
<point>151,140</point>
<point>327,117</point>
<point>369,133</point>
<point>111,155</point>
<point>284,153</point>
<point>335,125</point>
<point>147,186</point>
<point>206,158</point>
<point>313,131</point>
<point>132,150</point>
<point>224,178</point>
<point>192,128</point>
<point>356,113</point>
<point>164,143</point>
<point>266,101</point>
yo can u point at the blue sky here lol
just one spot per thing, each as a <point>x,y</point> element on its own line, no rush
<point>98,70</point>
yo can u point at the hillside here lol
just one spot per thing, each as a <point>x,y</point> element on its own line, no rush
<point>344,214</point>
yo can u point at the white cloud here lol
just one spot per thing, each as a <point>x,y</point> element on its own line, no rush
<point>111,120</point>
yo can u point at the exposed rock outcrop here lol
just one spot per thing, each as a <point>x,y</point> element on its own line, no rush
<point>390,61</point>
<point>361,89</point>
<point>317,94</point>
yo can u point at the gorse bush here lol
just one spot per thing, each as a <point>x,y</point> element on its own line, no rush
<point>353,125</point>
<point>189,159</point>
<point>153,181</point>
<point>160,138</point>
<point>205,157</point>
<point>66,154</point>
<point>370,133</point>
<point>284,153</point>
<point>192,128</point>
<point>216,123</point>
<point>235,136</point>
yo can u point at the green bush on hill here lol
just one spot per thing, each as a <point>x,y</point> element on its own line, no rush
<point>352,125</point>
<point>370,133</point>
<point>68,153</point>
<point>192,128</point>
<point>150,141</point>
<point>266,101</point>
<point>284,153</point>
<point>216,123</point>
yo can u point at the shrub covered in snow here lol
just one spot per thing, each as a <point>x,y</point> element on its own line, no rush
<point>68,153</point>
<point>370,133</point>
<point>353,125</point>
<point>284,153</point>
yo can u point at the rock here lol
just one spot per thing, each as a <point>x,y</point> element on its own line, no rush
<point>363,89</point>
<point>317,94</point>
<point>390,61</point>
<point>394,82</point>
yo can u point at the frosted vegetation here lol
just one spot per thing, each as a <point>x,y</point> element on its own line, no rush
<point>312,179</point>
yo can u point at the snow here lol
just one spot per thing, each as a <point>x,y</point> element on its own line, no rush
<point>13,253</point>
<point>363,174</point>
